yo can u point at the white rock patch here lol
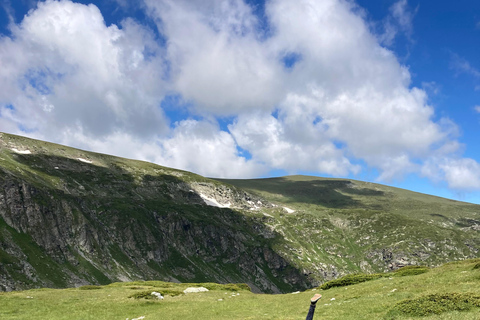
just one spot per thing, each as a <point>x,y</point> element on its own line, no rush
<point>157,294</point>
<point>21,151</point>
<point>214,203</point>
<point>84,160</point>
<point>194,290</point>
<point>289,210</point>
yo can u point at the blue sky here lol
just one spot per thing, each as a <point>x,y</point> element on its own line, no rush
<point>385,91</point>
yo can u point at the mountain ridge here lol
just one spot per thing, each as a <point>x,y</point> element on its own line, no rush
<point>70,217</point>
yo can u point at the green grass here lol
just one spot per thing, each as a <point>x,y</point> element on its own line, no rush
<point>448,292</point>
<point>410,271</point>
<point>434,304</point>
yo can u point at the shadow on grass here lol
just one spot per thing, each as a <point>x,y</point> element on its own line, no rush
<point>327,193</point>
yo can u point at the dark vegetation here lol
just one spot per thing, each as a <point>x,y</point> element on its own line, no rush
<point>89,287</point>
<point>435,304</point>
<point>361,277</point>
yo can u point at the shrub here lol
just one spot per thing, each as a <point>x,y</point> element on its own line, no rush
<point>350,279</point>
<point>436,304</point>
<point>476,266</point>
<point>410,271</point>
<point>148,294</point>
<point>361,277</point>
<point>227,287</point>
<point>143,295</point>
<point>89,287</point>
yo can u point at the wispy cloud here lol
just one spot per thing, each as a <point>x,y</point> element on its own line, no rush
<point>404,15</point>
<point>399,21</point>
<point>477,109</point>
<point>461,65</point>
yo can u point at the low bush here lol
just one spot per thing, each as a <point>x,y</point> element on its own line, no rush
<point>361,277</point>
<point>89,287</point>
<point>227,287</point>
<point>476,266</point>
<point>143,295</point>
<point>350,279</point>
<point>410,271</point>
<point>148,294</point>
<point>435,304</point>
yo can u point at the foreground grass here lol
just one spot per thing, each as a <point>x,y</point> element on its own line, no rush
<point>374,299</point>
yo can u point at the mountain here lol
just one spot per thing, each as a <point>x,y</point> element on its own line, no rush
<point>69,217</point>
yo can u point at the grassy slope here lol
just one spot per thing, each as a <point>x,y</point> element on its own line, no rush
<point>368,300</point>
<point>339,222</point>
<point>339,226</point>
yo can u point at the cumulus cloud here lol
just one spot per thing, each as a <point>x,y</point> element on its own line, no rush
<point>202,147</point>
<point>355,89</point>
<point>290,144</point>
<point>316,91</point>
<point>66,69</point>
<point>461,174</point>
<point>216,57</point>
<point>199,146</point>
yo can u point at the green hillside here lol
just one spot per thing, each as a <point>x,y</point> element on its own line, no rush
<point>456,287</point>
<point>361,226</point>
<point>69,218</point>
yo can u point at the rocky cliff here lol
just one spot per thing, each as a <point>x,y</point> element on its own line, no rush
<point>70,218</point>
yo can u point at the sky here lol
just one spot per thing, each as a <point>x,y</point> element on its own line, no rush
<point>386,91</point>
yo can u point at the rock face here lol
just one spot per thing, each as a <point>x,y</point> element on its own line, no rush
<point>70,217</point>
<point>86,240</point>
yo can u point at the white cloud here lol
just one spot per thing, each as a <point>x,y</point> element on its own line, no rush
<point>290,144</point>
<point>400,20</point>
<point>199,146</point>
<point>355,87</point>
<point>404,16</point>
<point>432,88</point>
<point>461,65</point>
<point>477,109</point>
<point>216,57</point>
<point>460,173</point>
<point>66,68</point>
<point>345,100</point>
<point>203,148</point>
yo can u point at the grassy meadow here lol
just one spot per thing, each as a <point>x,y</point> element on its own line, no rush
<point>374,299</point>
